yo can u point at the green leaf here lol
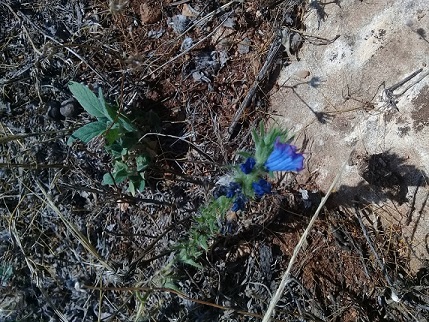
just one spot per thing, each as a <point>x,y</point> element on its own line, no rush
<point>245,154</point>
<point>120,166</point>
<point>115,149</point>
<point>124,151</point>
<point>142,162</point>
<point>187,254</point>
<point>203,243</point>
<point>191,262</point>
<point>87,132</point>
<point>6,272</point>
<point>120,176</point>
<point>108,179</point>
<point>170,284</point>
<point>105,120</point>
<point>101,97</point>
<point>132,188</point>
<point>264,141</point>
<point>123,121</point>
<point>120,172</point>
<point>126,124</point>
<point>137,183</point>
<point>128,141</point>
<point>141,185</point>
<point>88,100</point>
<point>111,110</point>
<point>112,135</point>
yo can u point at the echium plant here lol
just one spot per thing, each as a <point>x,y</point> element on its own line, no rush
<point>121,138</point>
<point>249,181</point>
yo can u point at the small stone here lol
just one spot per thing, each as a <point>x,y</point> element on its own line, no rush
<point>229,23</point>
<point>4,108</point>
<point>186,44</point>
<point>244,46</point>
<point>54,110</point>
<point>155,34</point>
<point>296,41</point>
<point>180,23</point>
<point>70,108</point>
<point>188,11</point>
<point>197,76</point>
<point>150,13</point>
<point>303,74</point>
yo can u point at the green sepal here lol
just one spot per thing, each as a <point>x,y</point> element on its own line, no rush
<point>264,142</point>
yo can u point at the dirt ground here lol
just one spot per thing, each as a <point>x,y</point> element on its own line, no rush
<point>199,76</point>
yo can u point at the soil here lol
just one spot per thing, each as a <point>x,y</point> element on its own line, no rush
<point>74,250</point>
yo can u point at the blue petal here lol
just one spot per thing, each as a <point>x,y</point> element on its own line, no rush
<point>236,207</point>
<point>233,188</point>
<point>284,158</point>
<point>239,202</point>
<point>220,191</point>
<point>261,187</point>
<point>248,166</point>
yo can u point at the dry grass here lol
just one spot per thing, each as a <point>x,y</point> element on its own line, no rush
<point>74,250</point>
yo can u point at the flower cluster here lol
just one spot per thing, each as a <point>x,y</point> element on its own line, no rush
<point>248,181</point>
<point>234,191</point>
<point>270,155</point>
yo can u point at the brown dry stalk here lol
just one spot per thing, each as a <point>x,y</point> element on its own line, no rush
<point>14,137</point>
<point>286,277</point>
<point>73,229</point>
<point>33,166</point>
<point>180,294</point>
<point>269,61</point>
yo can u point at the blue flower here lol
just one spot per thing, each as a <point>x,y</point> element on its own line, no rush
<point>239,199</point>
<point>239,202</point>
<point>220,191</point>
<point>261,187</point>
<point>248,166</point>
<point>284,158</point>
<point>233,189</point>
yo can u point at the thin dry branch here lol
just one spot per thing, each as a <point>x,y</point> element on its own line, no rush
<point>73,229</point>
<point>286,277</point>
<point>271,57</point>
<point>172,291</point>
<point>74,53</point>
<point>183,53</point>
<point>371,246</point>
<point>32,268</point>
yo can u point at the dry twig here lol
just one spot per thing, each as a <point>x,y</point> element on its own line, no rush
<point>73,229</point>
<point>269,61</point>
<point>286,276</point>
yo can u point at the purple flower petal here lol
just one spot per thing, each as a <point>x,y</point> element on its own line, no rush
<point>284,158</point>
<point>261,187</point>
<point>248,166</point>
<point>239,203</point>
<point>233,188</point>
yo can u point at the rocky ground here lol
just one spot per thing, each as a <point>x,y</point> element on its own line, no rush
<point>198,76</point>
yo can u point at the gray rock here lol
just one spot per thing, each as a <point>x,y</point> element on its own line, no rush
<point>70,108</point>
<point>180,23</point>
<point>54,110</point>
<point>186,44</point>
<point>244,46</point>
